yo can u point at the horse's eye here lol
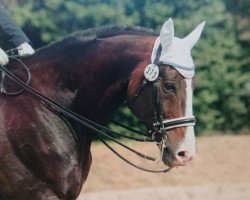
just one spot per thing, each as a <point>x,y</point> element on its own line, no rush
<point>170,87</point>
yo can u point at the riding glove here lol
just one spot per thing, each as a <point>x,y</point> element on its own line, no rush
<point>3,57</point>
<point>25,49</point>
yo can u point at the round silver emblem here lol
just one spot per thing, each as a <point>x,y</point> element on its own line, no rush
<point>151,72</point>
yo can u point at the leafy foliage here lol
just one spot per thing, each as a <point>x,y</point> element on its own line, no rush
<point>222,98</point>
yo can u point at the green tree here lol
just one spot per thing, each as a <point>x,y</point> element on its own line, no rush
<point>241,12</point>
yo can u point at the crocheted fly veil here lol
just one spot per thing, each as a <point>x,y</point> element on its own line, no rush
<point>176,52</point>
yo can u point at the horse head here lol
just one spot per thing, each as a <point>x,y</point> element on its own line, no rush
<point>160,95</point>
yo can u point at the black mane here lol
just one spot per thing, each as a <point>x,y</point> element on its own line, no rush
<point>109,31</point>
<point>85,37</point>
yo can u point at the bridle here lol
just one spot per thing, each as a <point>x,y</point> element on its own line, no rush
<point>158,133</point>
<point>160,125</point>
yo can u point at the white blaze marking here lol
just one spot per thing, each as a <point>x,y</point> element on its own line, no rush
<point>189,140</point>
<point>189,100</point>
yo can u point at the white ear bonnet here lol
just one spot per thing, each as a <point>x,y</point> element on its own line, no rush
<point>176,52</point>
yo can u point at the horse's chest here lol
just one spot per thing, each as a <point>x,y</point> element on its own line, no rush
<point>40,144</point>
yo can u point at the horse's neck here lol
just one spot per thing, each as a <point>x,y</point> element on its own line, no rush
<point>105,74</point>
<point>95,83</point>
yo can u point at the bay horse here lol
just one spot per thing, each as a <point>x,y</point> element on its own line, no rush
<point>45,155</point>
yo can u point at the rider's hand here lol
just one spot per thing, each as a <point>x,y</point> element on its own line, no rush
<point>3,57</point>
<point>25,49</point>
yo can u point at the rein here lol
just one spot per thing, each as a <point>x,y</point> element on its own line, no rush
<point>2,86</point>
<point>95,127</point>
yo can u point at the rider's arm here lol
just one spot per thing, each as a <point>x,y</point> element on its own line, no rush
<point>14,35</point>
<point>10,30</point>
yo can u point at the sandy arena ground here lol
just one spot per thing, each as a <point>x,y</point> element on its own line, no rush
<point>221,171</point>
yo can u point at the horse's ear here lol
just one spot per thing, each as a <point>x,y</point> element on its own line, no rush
<point>194,36</point>
<point>167,35</point>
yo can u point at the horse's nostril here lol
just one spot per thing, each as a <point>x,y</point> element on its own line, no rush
<point>182,153</point>
<point>182,158</point>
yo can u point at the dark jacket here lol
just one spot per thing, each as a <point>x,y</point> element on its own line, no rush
<point>10,32</point>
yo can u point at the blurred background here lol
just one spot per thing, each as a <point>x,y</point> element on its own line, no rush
<point>222,57</point>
